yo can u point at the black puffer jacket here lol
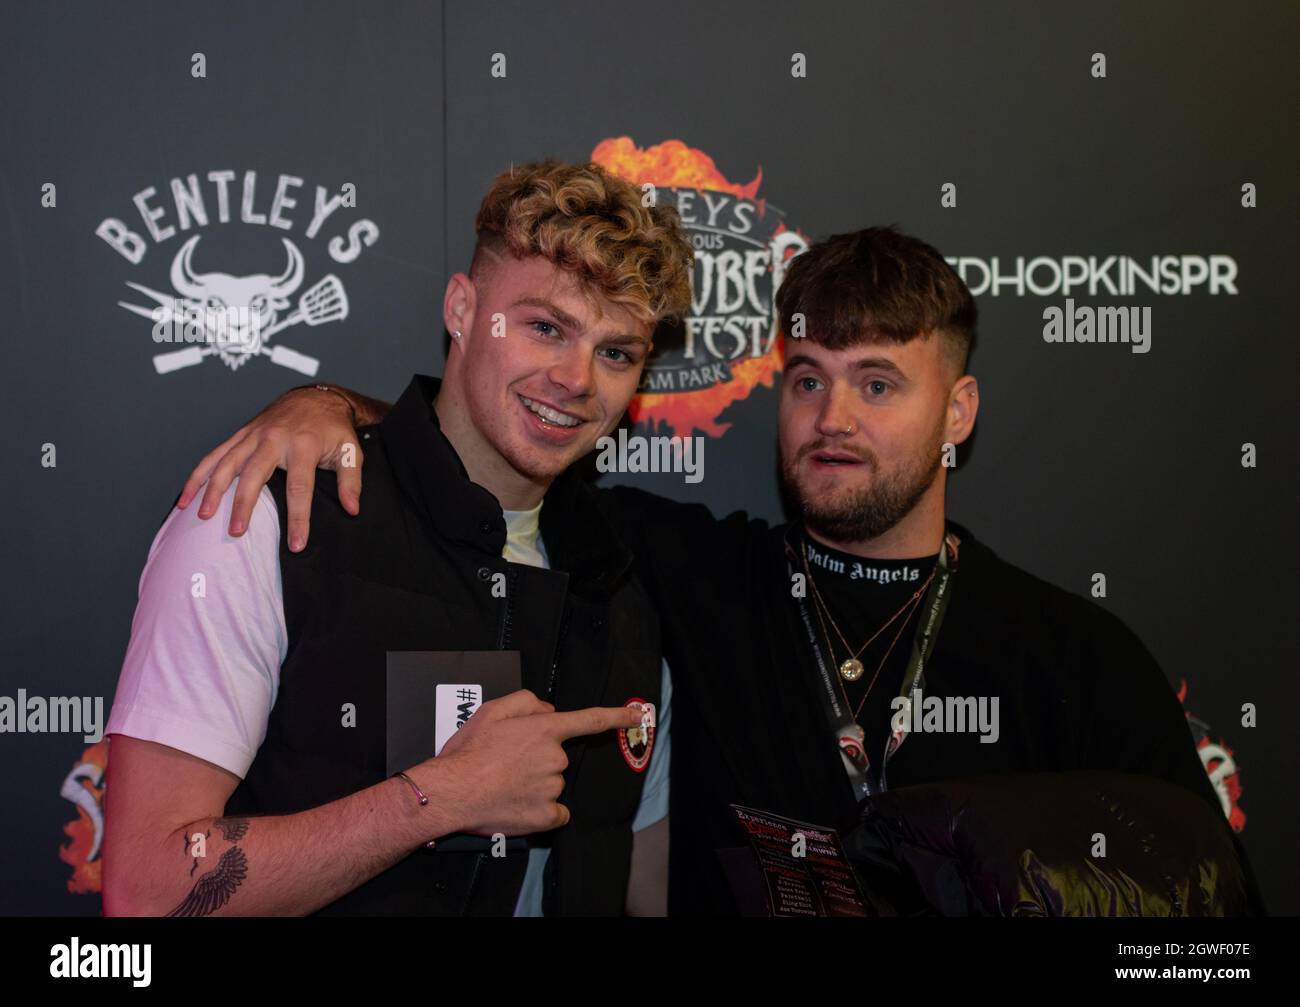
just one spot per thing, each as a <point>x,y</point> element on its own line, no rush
<point>1029,844</point>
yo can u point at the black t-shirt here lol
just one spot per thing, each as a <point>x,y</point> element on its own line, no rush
<point>1077,689</point>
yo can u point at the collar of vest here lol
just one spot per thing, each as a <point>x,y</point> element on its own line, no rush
<point>579,540</point>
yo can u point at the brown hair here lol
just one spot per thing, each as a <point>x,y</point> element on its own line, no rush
<point>590,222</point>
<point>878,284</point>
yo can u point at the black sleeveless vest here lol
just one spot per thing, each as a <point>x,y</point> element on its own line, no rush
<point>414,572</point>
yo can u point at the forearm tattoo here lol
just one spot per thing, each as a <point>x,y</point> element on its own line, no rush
<point>232,829</point>
<point>214,889</point>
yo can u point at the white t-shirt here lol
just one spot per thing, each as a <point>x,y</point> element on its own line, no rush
<point>202,668</point>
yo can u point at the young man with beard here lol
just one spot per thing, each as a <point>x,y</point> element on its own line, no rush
<point>798,650</point>
<point>248,771</point>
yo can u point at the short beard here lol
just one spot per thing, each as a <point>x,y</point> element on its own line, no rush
<point>866,513</point>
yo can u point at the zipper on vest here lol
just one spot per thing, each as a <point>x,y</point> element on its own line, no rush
<point>473,884</point>
<point>507,619</point>
<point>552,868</point>
<point>559,643</point>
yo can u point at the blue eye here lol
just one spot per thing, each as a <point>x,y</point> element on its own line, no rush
<point>626,358</point>
<point>883,384</point>
<point>554,330</point>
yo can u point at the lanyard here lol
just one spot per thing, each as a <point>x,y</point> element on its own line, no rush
<point>848,734</point>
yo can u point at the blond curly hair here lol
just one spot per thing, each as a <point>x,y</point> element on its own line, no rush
<point>591,223</point>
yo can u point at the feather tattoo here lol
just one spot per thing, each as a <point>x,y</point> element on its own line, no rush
<point>214,889</point>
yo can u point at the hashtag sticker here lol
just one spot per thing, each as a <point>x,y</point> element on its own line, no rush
<point>455,705</point>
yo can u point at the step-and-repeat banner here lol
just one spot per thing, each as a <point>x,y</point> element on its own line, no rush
<point>1115,184</point>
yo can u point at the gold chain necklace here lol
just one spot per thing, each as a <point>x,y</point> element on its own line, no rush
<point>857,710</point>
<point>851,669</point>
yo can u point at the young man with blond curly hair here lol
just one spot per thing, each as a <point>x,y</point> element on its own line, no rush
<point>247,771</point>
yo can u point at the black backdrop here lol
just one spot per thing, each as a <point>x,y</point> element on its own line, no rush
<point>1088,458</point>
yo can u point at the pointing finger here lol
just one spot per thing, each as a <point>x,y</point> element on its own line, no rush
<point>596,719</point>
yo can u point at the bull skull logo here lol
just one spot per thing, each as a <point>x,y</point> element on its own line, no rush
<point>235,316</point>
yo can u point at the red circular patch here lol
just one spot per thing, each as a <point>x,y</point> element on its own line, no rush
<point>636,743</point>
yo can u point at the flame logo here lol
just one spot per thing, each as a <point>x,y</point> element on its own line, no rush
<point>1220,764</point>
<point>84,787</point>
<point>673,164</point>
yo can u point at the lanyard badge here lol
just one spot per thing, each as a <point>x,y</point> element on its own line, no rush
<point>849,735</point>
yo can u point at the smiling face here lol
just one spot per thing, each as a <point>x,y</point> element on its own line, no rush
<point>862,431</point>
<point>542,369</point>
